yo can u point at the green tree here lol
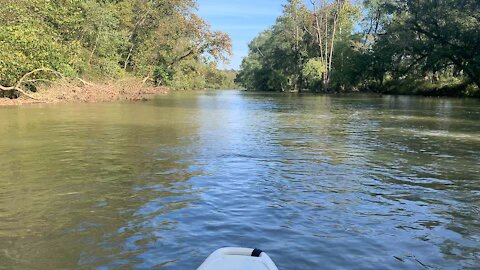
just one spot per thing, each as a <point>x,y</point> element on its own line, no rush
<point>426,40</point>
<point>287,57</point>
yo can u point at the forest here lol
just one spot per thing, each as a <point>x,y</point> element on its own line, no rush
<point>161,42</point>
<point>427,47</point>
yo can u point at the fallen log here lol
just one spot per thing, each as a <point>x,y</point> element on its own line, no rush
<point>25,80</point>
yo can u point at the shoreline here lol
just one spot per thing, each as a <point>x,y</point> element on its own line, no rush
<point>474,94</point>
<point>126,90</point>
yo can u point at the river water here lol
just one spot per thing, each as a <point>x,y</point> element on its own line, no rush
<point>319,182</point>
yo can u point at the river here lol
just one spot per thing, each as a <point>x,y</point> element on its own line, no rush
<point>319,182</point>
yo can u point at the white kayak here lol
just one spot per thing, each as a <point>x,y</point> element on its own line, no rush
<point>232,258</point>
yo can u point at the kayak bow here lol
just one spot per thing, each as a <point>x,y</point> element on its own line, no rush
<point>234,258</point>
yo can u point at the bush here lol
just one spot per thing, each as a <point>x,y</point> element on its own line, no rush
<point>312,72</point>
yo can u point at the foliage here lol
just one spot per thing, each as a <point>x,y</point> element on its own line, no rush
<point>277,55</point>
<point>28,44</point>
<point>339,45</point>
<point>295,53</point>
<point>428,39</point>
<point>313,71</point>
<point>162,39</point>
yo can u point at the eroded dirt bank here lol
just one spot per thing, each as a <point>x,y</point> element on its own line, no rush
<point>91,93</point>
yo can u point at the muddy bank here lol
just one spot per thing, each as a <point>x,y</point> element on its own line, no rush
<point>91,93</point>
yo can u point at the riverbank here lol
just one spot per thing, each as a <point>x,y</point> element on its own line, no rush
<point>449,87</point>
<point>132,90</point>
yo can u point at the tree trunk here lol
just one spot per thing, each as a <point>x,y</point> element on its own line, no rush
<point>128,57</point>
<point>319,35</point>
<point>325,83</point>
<point>96,43</point>
<point>335,19</point>
<point>140,22</point>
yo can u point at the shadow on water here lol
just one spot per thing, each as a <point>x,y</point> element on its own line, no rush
<point>346,182</point>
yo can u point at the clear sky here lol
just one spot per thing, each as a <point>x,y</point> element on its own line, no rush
<point>241,19</point>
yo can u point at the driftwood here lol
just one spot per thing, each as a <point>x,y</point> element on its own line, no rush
<point>25,80</point>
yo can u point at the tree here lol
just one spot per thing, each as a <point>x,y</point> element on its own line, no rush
<point>425,44</point>
<point>106,38</point>
<point>447,32</point>
<point>290,30</point>
<point>285,56</point>
<point>329,19</point>
<point>256,67</point>
<point>426,38</point>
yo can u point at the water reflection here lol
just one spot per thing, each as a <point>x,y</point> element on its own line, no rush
<point>347,182</point>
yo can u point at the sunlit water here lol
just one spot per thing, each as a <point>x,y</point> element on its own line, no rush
<point>319,182</point>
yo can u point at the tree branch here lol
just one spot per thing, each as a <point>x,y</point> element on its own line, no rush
<point>23,80</point>
<point>192,51</point>
<point>23,92</point>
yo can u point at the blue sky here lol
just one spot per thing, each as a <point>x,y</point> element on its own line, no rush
<point>241,19</point>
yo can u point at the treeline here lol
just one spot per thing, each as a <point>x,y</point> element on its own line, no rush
<point>163,42</point>
<point>412,47</point>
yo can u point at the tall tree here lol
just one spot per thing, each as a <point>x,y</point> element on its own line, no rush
<point>328,19</point>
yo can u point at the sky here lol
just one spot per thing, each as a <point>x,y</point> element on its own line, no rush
<point>241,19</point>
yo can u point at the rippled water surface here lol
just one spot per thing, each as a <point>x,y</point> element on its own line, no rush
<point>319,182</point>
